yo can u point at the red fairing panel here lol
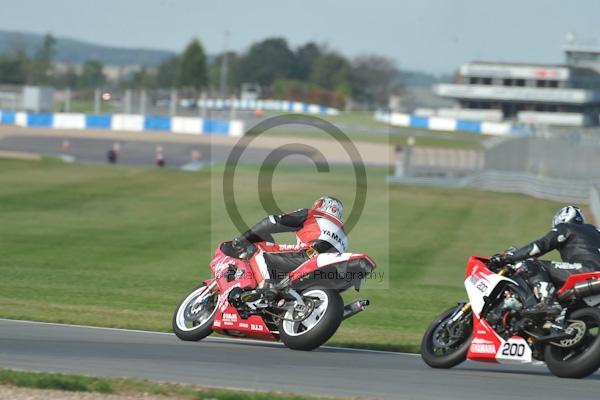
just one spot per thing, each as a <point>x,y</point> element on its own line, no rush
<point>229,322</point>
<point>485,342</point>
<point>219,266</point>
<point>472,263</point>
<point>572,280</point>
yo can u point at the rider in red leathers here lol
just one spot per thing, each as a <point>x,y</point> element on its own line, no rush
<point>319,229</point>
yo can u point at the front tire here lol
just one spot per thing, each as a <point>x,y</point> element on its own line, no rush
<point>446,347</point>
<point>319,326</point>
<point>583,358</point>
<point>194,316</point>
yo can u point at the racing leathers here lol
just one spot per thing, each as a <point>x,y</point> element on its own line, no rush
<point>579,248</point>
<point>316,232</point>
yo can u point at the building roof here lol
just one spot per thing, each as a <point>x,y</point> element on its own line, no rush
<point>578,70</point>
<point>581,48</point>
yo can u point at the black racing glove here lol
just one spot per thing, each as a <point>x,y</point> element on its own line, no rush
<point>498,260</point>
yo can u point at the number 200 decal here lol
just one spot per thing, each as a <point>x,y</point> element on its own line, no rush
<point>513,349</point>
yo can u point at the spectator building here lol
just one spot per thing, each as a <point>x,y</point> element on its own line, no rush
<point>565,94</point>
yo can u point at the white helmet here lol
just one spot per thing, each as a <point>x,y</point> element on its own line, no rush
<point>330,206</point>
<point>568,214</point>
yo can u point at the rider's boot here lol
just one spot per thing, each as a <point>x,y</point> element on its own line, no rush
<point>547,307</point>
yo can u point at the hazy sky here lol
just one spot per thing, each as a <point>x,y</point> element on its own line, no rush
<point>430,35</point>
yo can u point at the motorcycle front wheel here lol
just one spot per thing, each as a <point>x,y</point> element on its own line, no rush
<point>195,314</point>
<point>446,345</point>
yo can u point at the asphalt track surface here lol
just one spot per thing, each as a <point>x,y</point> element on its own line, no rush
<point>245,364</point>
<point>140,153</point>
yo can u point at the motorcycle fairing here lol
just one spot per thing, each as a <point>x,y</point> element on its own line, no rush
<point>229,322</point>
<point>481,283</point>
<point>486,344</point>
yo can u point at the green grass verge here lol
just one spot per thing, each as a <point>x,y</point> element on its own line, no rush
<point>119,246</point>
<point>394,134</point>
<point>80,383</point>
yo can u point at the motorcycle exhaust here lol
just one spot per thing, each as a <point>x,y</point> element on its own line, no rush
<point>583,289</point>
<point>355,307</point>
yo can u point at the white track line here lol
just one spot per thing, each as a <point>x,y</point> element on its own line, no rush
<point>211,338</point>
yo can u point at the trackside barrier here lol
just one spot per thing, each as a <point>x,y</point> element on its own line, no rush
<point>452,124</point>
<point>595,203</point>
<point>269,105</point>
<point>123,122</point>
<point>561,190</point>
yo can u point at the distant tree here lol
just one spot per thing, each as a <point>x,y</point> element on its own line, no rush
<point>290,89</point>
<point>332,71</point>
<point>92,75</point>
<point>167,71</point>
<point>142,79</point>
<point>267,61</point>
<point>13,69</point>
<point>375,78</point>
<point>66,79</point>
<point>306,56</point>
<point>214,71</point>
<point>41,65</point>
<point>191,69</point>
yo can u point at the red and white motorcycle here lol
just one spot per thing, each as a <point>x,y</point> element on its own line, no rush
<point>491,328</point>
<point>303,310</point>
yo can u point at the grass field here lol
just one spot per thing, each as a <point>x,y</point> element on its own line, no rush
<point>388,134</point>
<point>132,387</point>
<point>119,246</point>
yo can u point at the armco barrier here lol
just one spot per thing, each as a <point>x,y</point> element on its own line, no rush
<point>451,124</point>
<point>269,105</point>
<point>595,203</point>
<point>123,122</point>
<point>561,190</point>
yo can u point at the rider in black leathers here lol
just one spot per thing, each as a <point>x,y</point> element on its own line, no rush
<point>579,246</point>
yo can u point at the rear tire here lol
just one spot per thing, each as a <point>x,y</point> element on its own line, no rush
<point>320,325</point>
<point>185,326</point>
<point>455,353</point>
<point>583,358</point>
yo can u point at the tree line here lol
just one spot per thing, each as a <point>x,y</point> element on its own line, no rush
<point>310,72</point>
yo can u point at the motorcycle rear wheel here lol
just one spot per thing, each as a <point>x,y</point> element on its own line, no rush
<point>455,352</point>
<point>583,358</point>
<point>193,319</point>
<point>319,326</point>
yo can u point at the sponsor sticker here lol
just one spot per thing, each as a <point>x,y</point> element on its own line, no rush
<point>230,316</point>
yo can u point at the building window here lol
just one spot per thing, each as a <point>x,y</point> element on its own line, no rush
<point>553,84</point>
<point>473,80</point>
<point>507,82</point>
<point>486,81</point>
<point>541,83</point>
<point>520,82</point>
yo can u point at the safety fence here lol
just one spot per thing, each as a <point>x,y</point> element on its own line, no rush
<point>595,203</point>
<point>123,122</point>
<point>452,124</point>
<point>268,105</point>
<point>562,190</point>
<point>437,162</point>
